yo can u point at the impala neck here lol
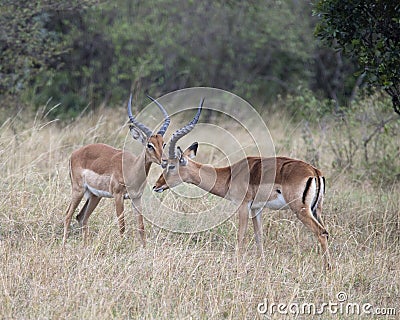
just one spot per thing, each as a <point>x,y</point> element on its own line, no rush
<point>211,179</point>
<point>138,171</point>
<point>146,162</point>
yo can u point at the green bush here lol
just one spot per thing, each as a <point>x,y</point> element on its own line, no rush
<point>361,140</point>
<point>366,141</point>
<point>305,105</point>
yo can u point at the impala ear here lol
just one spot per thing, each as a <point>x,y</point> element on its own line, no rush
<point>138,135</point>
<point>191,151</point>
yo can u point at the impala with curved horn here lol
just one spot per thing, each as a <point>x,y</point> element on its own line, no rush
<point>96,171</point>
<point>252,183</point>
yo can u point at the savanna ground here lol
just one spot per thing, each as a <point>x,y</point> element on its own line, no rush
<point>184,275</point>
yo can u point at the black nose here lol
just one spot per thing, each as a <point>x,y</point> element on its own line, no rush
<point>158,189</point>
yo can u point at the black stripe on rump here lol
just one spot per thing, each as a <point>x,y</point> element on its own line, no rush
<point>308,184</point>
<point>314,204</point>
<point>323,180</point>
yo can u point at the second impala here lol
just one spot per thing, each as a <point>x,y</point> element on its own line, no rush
<point>252,183</point>
<point>96,171</point>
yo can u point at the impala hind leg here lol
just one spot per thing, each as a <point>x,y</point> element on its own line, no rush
<point>91,203</point>
<point>316,226</point>
<point>75,200</point>
<point>324,238</point>
<point>137,208</point>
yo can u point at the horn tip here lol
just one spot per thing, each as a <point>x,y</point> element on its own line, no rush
<point>151,98</point>
<point>201,102</point>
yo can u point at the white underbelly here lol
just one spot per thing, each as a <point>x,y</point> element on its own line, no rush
<point>278,203</point>
<point>102,185</point>
<point>96,192</point>
<point>100,193</point>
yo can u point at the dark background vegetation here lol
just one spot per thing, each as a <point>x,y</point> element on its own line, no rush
<point>91,52</point>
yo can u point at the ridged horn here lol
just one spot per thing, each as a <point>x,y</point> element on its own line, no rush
<point>167,120</point>
<point>182,132</point>
<point>141,126</point>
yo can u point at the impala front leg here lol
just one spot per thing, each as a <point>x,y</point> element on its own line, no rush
<point>243,212</point>
<point>119,208</point>
<point>137,208</point>
<point>257,226</point>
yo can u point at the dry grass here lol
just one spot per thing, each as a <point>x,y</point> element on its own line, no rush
<point>176,275</point>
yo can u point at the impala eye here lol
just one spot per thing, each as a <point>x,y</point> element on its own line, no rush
<point>182,161</point>
<point>150,146</point>
<point>163,146</point>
